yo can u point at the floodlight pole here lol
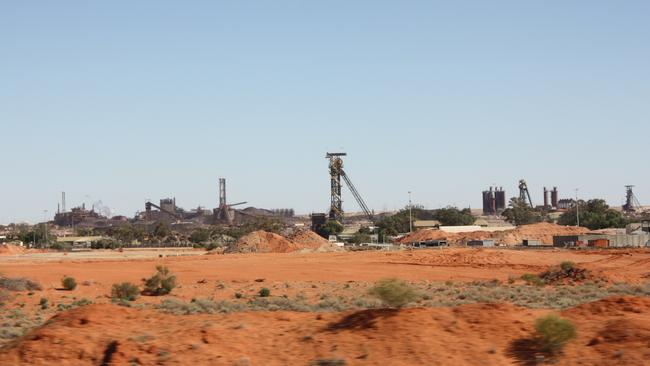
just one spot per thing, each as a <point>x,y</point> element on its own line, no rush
<point>410,214</point>
<point>577,210</point>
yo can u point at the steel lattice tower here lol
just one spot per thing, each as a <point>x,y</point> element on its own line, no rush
<point>336,171</point>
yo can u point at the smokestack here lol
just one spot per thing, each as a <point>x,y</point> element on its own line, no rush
<point>545,198</point>
<point>63,201</point>
<point>554,197</point>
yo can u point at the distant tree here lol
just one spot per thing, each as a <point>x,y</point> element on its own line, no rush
<point>127,233</point>
<point>520,213</point>
<point>360,238</point>
<point>200,236</point>
<point>83,231</point>
<point>594,214</point>
<point>162,230</point>
<point>452,216</point>
<point>331,227</point>
<point>399,222</point>
<point>39,234</point>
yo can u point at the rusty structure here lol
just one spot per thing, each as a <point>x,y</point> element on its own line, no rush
<point>632,204</point>
<point>167,211</point>
<point>225,212</point>
<point>554,198</point>
<point>524,194</point>
<point>76,216</point>
<point>336,201</point>
<point>494,201</point>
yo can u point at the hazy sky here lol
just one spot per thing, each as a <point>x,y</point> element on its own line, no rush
<point>123,101</point>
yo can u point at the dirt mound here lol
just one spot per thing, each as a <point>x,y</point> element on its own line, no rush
<point>496,334</point>
<point>310,241</point>
<point>612,305</point>
<point>541,231</point>
<point>308,238</point>
<point>8,249</point>
<point>262,242</point>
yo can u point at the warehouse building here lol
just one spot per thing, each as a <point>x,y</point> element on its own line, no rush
<point>602,240</point>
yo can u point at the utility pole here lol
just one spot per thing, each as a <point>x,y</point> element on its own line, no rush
<point>577,209</point>
<point>45,225</point>
<point>410,214</point>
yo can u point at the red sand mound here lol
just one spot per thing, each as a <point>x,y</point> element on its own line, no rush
<point>265,242</point>
<point>262,242</point>
<point>8,249</point>
<point>310,241</point>
<point>489,334</point>
<point>542,231</point>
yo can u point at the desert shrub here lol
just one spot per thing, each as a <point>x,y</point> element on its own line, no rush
<point>532,279</point>
<point>552,333</point>
<point>238,295</point>
<point>74,304</point>
<point>567,265</point>
<point>68,283</point>
<point>125,291</point>
<point>394,292</point>
<point>43,303</point>
<point>19,284</point>
<point>161,283</point>
<point>279,304</point>
<point>264,292</point>
<point>565,272</point>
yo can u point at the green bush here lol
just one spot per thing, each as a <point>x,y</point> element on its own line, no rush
<point>161,283</point>
<point>43,303</point>
<point>552,333</point>
<point>125,291</point>
<point>532,279</point>
<point>265,292</point>
<point>394,292</point>
<point>567,266</point>
<point>68,283</point>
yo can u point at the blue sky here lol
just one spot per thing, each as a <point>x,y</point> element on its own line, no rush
<point>124,101</point>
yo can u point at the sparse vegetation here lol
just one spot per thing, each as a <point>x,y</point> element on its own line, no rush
<point>532,279</point>
<point>198,306</point>
<point>264,292</point>
<point>125,291</point>
<point>565,272</point>
<point>43,303</point>
<point>19,284</point>
<point>520,213</point>
<point>552,333</point>
<point>74,304</point>
<point>68,283</point>
<point>394,292</point>
<point>594,214</point>
<point>161,283</point>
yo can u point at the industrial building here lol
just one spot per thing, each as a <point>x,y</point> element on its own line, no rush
<point>602,240</point>
<point>494,201</point>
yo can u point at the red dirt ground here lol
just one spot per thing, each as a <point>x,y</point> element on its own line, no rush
<point>611,331</point>
<point>240,271</point>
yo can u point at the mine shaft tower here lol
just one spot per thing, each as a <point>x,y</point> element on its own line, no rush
<point>336,201</point>
<point>524,194</point>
